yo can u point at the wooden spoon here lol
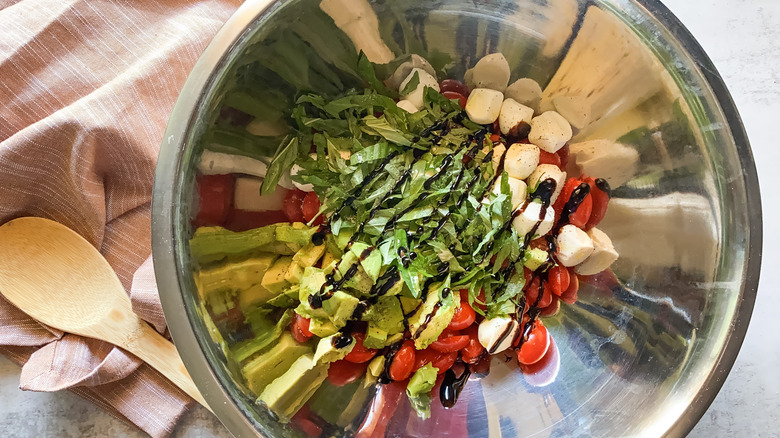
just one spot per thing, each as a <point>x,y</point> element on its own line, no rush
<point>58,278</point>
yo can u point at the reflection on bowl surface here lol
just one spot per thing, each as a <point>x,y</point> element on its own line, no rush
<point>646,347</point>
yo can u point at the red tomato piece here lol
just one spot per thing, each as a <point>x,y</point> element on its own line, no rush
<point>293,205</point>
<point>455,95</point>
<point>532,293</point>
<point>600,203</point>
<point>424,357</point>
<point>403,362</point>
<point>552,309</point>
<point>343,372</point>
<point>558,279</point>
<point>548,158</point>
<point>472,352</point>
<point>464,317</point>
<point>302,421</point>
<point>570,295</point>
<point>445,361</point>
<point>310,207</point>
<point>479,302</point>
<point>242,220</point>
<point>580,216</point>
<point>300,328</point>
<point>449,342</point>
<point>534,348</point>
<point>454,86</point>
<point>360,353</point>
<point>297,334</point>
<point>563,153</point>
<point>496,129</point>
<point>215,199</point>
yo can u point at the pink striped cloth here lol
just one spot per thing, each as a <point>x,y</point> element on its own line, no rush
<point>86,88</point>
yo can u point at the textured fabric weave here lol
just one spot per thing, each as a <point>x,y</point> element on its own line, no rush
<point>86,88</point>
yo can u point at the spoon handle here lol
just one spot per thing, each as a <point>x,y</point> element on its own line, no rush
<point>161,354</point>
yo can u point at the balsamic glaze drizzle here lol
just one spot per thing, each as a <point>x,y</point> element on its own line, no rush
<point>452,385</point>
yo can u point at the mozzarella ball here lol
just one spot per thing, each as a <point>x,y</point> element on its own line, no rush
<point>525,222</point>
<point>416,95</point>
<point>521,160</point>
<point>525,91</point>
<point>484,105</point>
<point>492,71</point>
<point>550,131</point>
<point>407,106</point>
<point>574,246</point>
<point>517,188</point>
<point>548,171</point>
<point>497,334</point>
<point>403,70</point>
<point>304,187</point>
<point>603,255</point>
<point>513,114</point>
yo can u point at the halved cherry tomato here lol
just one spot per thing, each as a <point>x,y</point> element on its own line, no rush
<point>580,216</point>
<point>548,158</point>
<point>303,325</point>
<point>552,309</point>
<point>310,207</point>
<point>342,372</point>
<point>403,362</point>
<point>215,197</point>
<point>455,95</point>
<point>464,317</point>
<point>423,357</point>
<point>534,348</point>
<point>570,295</point>
<point>302,421</point>
<point>449,342</point>
<point>242,220</point>
<point>473,350</point>
<point>558,279</point>
<point>600,203</point>
<point>495,138</point>
<point>563,153</point>
<point>293,205</point>
<point>454,86</point>
<point>360,353</point>
<point>532,294</point>
<point>445,361</point>
<point>297,334</point>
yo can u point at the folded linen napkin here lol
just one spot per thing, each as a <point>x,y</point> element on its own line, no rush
<point>86,87</point>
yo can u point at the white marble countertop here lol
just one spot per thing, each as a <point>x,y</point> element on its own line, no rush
<point>742,38</point>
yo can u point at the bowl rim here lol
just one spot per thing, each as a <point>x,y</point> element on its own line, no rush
<point>165,185</point>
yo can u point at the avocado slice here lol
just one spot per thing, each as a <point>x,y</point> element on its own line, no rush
<point>433,316</point>
<point>309,255</point>
<point>295,235</point>
<point>235,275</point>
<point>322,327</point>
<point>534,258</point>
<point>360,282</point>
<point>266,332</point>
<point>273,363</point>
<point>386,315</point>
<point>210,244</point>
<point>340,308</point>
<point>375,337</point>
<point>327,352</point>
<point>291,390</point>
<point>274,279</point>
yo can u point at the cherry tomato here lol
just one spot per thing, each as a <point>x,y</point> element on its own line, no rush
<point>580,216</point>
<point>360,353</point>
<point>495,138</point>
<point>454,86</point>
<point>423,357</point>
<point>496,129</point>
<point>302,421</point>
<point>534,348</point>
<point>403,362</point>
<point>532,294</point>
<point>552,309</point>
<point>242,220</point>
<point>563,153</point>
<point>548,158</point>
<point>449,342</point>
<point>303,325</point>
<point>445,361</point>
<point>472,352</point>
<point>570,295</point>
<point>455,95</point>
<point>558,279</point>
<point>297,334</point>
<point>343,372</point>
<point>293,205</point>
<point>215,194</point>
<point>600,202</point>
<point>464,317</point>
<point>310,207</point>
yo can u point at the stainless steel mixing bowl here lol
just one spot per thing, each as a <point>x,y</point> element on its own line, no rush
<point>644,356</point>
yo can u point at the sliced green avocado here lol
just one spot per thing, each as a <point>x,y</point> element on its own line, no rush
<point>327,352</point>
<point>408,304</point>
<point>340,307</point>
<point>375,337</point>
<point>295,235</point>
<point>254,296</point>
<point>322,327</point>
<point>330,401</point>
<point>209,244</point>
<point>266,332</point>
<point>360,281</point>
<point>386,315</point>
<point>274,279</point>
<point>433,316</point>
<point>235,275</point>
<point>272,364</point>
<point>309,255</point>
<point>534,258</point>
<point>290,391</point>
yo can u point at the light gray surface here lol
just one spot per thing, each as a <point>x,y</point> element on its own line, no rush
<point>741,37</point>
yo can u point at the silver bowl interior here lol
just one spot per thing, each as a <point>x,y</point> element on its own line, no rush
<point>643,356</point>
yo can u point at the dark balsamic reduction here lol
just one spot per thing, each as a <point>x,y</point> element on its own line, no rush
<point>452,385</point>
<point>575,200</point>
<point>390,353</point>
<point>342,341</point>
<point>603,185</point>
